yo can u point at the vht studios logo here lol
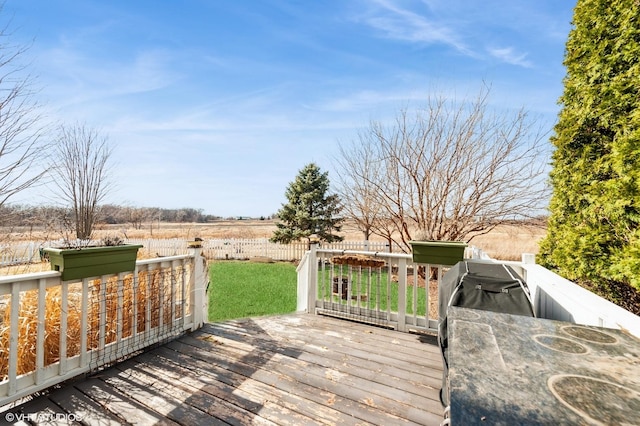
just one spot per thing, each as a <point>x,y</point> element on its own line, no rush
<point>41,417</point>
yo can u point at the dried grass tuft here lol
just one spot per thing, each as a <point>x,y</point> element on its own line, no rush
<point>152,293</point>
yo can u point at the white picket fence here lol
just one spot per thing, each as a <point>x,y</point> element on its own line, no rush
<point>242,249</point>
<point>21,252</point>
<point>213,249</point>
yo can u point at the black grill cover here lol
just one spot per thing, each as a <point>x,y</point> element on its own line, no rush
<point>481,285</point>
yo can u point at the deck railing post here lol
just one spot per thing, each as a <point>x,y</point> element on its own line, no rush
<point>199,287</point>
<point>313,278</point>
<point>302,298</point>
<point>402,294</point>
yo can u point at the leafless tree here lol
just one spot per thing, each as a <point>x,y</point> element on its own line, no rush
<point>81,171</point>
<point>137,216</point>
<point>359,166</point>
<point>452,171</point>
<point>21,147</point>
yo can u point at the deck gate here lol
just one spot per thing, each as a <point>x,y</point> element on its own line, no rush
<point>385,289</point>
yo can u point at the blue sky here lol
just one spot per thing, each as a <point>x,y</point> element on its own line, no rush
<point>216,104</point>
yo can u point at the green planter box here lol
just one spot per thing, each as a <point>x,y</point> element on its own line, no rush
<point>438,252</point>
<point>87,262</point>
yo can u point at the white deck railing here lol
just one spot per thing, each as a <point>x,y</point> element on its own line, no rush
<point>387,295</point>
<point>53,330</point>
<point>557,298</point>
<point>398,294</point>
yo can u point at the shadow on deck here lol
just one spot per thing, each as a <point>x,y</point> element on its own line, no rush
<point>294,369</point>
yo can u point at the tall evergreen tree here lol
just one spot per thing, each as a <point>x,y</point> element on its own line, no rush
<point>310,210</point>
<point>594,231</point>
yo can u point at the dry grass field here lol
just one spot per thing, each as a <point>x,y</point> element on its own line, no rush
<point>507,242</point>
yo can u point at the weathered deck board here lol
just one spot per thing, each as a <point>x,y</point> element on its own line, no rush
<point>283,370</point>
<point>71,400</point>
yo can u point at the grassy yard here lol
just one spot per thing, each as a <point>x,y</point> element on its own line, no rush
<point>245,289</point>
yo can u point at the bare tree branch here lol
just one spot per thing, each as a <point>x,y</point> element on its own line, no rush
<point>81,173</point>
<point>449,172</point>
<point>21,147</point>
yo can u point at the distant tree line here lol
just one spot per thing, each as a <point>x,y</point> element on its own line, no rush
<point>54,217</point>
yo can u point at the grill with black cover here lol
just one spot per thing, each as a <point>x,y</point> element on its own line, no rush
<point>483,285</point>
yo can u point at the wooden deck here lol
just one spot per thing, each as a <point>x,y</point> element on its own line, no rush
<point>285,370</point>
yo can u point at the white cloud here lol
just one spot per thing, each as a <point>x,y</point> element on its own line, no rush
<point>510,56</point>
<point>75,77</point>
<point>403,24</point>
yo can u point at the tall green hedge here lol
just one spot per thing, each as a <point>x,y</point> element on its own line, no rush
<point>593,231</point>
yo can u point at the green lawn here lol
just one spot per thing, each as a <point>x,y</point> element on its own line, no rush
<point>246,289</point>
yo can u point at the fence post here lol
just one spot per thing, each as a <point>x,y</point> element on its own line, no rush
<point>199,286</point>
<point>313,278</point>
<point>402,293</point>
